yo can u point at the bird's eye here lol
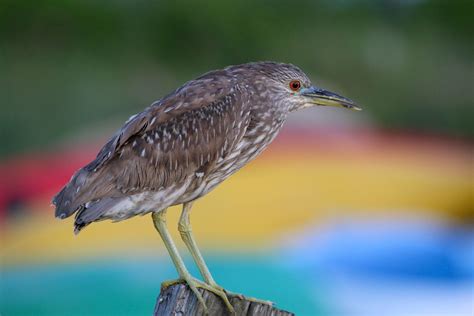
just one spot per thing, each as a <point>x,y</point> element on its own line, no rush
<point>295,85</point>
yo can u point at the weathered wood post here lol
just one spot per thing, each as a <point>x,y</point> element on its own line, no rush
<point>178,299</point>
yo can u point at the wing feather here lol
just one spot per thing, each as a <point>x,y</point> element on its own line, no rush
<point>183,133</point>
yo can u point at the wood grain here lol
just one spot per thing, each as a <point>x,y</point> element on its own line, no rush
<point>178,299</point>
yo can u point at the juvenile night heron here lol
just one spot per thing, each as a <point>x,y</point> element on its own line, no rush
<point>184,145</point>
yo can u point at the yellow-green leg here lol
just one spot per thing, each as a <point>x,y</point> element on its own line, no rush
<point>184,227</point>
<point>159,220</point>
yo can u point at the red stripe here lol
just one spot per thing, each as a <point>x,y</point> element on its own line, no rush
<point>38,175</point>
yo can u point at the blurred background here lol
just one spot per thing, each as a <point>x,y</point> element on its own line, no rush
<point>347,213</point>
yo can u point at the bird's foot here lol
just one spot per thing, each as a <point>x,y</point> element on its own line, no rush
<point>168,283</point>
<point>194,284</point>
<point>213,284</point>
<point>252,299</point>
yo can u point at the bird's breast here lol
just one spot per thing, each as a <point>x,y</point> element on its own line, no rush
<point>245,150</point>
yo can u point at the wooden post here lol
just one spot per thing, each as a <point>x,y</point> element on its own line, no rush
<point>178,299</point>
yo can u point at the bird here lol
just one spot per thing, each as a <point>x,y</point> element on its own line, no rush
<point>184,145</point>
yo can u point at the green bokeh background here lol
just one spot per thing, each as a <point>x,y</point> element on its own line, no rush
<point>68,66</point>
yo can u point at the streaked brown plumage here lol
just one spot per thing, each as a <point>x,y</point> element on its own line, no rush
<point>182,146</point>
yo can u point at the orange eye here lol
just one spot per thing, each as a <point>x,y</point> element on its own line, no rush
<point>295,85</point>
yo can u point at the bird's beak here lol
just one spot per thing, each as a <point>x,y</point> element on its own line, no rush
<point>323,97</point>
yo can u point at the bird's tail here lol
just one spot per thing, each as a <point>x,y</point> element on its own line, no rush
<point>68,200</point>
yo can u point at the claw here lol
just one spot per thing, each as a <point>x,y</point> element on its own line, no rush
<point>168,283</point>
<point>252,299</point>
<point>219,291</point>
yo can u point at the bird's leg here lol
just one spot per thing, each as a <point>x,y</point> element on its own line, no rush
<point>184,227</point>
<point>159,220</point>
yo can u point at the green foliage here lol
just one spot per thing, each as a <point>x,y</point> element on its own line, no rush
<point>67,65</point>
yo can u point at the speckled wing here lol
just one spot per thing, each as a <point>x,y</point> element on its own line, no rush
<point>185,133</point>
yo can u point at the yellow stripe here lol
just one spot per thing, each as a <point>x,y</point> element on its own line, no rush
<point>272,197</point>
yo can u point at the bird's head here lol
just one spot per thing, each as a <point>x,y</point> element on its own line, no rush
<point>290,86</point>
